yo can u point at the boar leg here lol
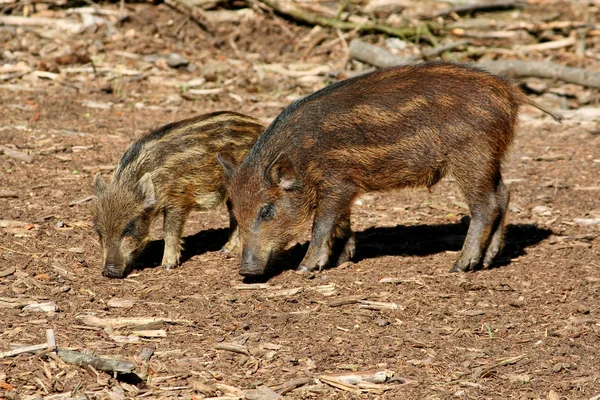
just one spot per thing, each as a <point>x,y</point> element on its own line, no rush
<point>233,243</point>
<point>332,216</point>
<point>172,229</point>
<point>485,208</point>
<point>344,239</point>
<point>497,242</point>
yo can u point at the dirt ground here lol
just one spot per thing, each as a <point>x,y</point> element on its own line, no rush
<point>527,329</point>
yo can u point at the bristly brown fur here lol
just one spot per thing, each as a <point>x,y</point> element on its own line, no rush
<point>170,171</point>
<point>398,127</point>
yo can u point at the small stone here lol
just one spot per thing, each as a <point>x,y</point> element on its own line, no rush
<point>382,322</point>
<point>175,60</point>
<point>542,211</point>
<point>582,309</point>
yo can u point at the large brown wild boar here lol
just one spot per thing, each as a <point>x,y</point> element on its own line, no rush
<point>400,127</point>
<point>171,171</point>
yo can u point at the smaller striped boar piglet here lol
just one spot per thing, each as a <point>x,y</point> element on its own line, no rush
<point>405,126</point>
<point>171,171</point>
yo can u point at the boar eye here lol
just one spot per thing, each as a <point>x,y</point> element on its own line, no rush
<point>267,212</point>
<point>129,229</point>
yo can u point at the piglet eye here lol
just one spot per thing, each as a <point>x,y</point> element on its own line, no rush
<point>267,212</point>
<point>129,229</point>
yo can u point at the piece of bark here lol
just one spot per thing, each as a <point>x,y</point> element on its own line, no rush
<point>346,300</point>
<point>16,154</point>
<point>233,347</point>
<point>100,363</point>
<point>262,393</point>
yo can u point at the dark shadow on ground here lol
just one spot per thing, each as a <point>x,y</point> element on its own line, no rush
<point>416,240</point>
<point>400,240</point>
<point>199,243</point>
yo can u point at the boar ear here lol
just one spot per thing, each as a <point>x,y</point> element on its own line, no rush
<point>228,164</point>
<point>281,172</point>
<point>145,189</point>
<point>99,185</point>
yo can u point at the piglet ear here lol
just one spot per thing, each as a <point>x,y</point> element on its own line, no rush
<point>99,185</point>
<point>145,189</point>
<point>228,164</point>
<point>281,172</point>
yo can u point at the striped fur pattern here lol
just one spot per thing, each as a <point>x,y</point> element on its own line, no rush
<point>171,171</point>
<point>405,126</point>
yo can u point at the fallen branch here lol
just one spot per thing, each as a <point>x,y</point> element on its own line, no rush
<point>286,387</point>
<point>543,69</point>
<point>46,23</point>
<point>484,371</point>
<point>195,14</point>
<point>480,6</point>
<point>233,347</point>
<point>25,349</point>
<point>380,57</point>
<point>100,363</point>
<point>288,9</point>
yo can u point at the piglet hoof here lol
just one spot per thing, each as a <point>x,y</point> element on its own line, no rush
<point>303,270</point>
<point>458,268</point>
<point>169,267</point>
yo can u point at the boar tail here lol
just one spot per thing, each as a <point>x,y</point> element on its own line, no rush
<point>557,117</point>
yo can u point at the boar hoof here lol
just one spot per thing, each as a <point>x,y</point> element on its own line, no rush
<point>169,267</point>
<point>461,266</point>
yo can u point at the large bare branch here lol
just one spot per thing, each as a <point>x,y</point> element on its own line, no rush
<point>380,57</point>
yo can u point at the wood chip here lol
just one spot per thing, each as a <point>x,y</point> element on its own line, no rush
<point>6,272</point>
<point>16,154</point>
<point>41,307</point>
<point>262,393</point>
<point>157,333</point>
<point>377,305</point>
<point>346,300</point>
<point>117,323</point>
<point>7,194</point>
<point>25,349</point>
<point>233,347</point>
<point>120,303</point>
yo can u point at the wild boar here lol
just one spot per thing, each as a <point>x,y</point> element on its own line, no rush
<point>171,171</point>
<point>405,126</point>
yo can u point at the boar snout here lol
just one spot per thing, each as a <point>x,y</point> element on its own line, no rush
<point>112,271</point>
<point>252,264</point>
